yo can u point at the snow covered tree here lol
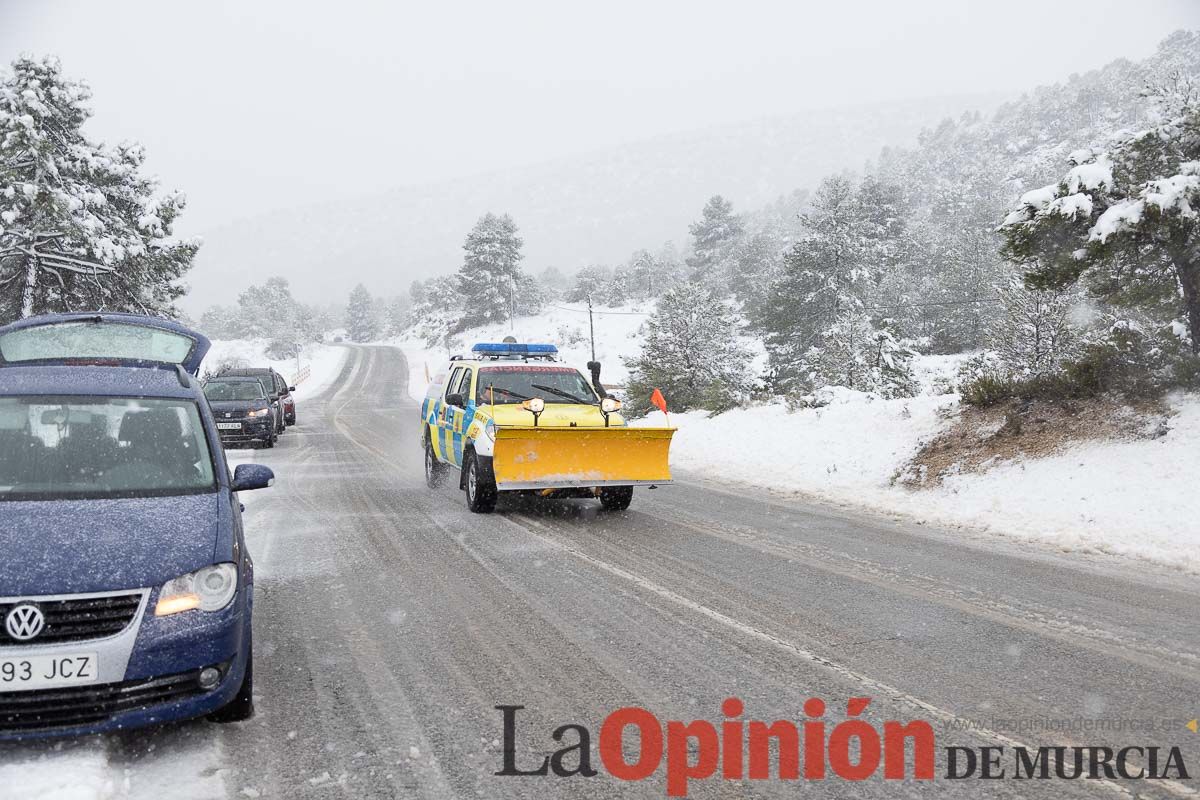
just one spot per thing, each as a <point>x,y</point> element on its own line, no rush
<point>222,322</point>
<point>692,353</point>
<point>592,281</point>
<point>361,321</point>
<point>1124,220</point>
<point>270,312</point>
<point>80,227</point>
<point>398,315</point>
<point>490,271</point>
<point>1035,335</point>
<point>857,354</point>
<point>852,235</point>
<point>713,235</point>
<point>436,309</point>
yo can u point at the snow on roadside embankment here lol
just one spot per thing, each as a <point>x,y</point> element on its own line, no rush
<point>1125,496</point>
<point>1128,497</point>
<point>322,360</point>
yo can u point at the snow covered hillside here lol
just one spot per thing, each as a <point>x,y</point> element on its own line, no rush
<point>1121,496</point>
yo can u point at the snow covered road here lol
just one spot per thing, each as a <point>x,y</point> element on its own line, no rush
<point>390,622</point>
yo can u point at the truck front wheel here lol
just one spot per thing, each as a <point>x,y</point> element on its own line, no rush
<point>616,498</point>
<point>435,471</point>
<point>480,486</point>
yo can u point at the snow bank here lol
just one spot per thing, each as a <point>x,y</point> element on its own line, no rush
<point>844,451</point>
<point>323,360</point>
<point>1133,498</point>
<point>173,765</point>
<point>1128,497</point>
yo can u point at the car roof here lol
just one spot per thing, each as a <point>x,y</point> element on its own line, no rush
<point>241,372</point>
<point>99,381</point>
<point>225,377</point>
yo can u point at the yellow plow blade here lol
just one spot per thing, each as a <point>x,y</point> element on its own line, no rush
<point>557,458</point>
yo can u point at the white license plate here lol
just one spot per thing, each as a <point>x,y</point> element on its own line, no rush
<point>229,426</point>
<point>40,672</point>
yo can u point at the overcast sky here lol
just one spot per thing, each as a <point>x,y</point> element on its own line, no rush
<point>252,105</point>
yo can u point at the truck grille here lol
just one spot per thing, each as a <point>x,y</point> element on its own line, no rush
<point>46,709</point>
<point>77,619</point>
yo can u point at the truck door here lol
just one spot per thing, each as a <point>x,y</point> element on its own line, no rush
<point>457,418</point>
<point>444,418</point>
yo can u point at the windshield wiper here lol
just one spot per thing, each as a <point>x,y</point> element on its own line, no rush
<point>561,393</point>
<point>508,392</point>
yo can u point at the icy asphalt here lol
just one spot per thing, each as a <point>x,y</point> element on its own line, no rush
<point>390,621</point>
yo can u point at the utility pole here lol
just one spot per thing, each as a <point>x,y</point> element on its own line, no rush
<point>591,327</point>
<point>512,306</point>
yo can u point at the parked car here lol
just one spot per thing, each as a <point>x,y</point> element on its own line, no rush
<point>242,411</point>
<point>125,585</point>
<point>277,389</point>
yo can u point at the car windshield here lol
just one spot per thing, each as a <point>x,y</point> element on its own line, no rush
<point>265,381</point>
<point>54,448</point>
<point>512,384</point>
<point>234,390</point>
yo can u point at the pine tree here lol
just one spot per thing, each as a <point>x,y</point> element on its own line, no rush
<point>436,309</point>
<point>361,321</point>
<point>1035,335</point>
<point>399,315</point>
<point>1124,220</point>
<point>852,236</point>
<point>857,354</point>
<point>487,280</point>
<point>80,227</point>
<point>713,235</point>
<point>691,353</point>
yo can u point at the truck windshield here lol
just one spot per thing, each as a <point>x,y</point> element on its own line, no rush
<point>55,448</point>
<point>512,384</point>
<point>234,390</point>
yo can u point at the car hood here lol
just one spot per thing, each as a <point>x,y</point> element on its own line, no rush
<point>69,546</point>
<point>556,415</point>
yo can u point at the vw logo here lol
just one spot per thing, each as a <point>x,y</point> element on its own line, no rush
<point>24,622</point>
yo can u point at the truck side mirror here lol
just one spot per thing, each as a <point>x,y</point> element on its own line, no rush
<point>456,399</point>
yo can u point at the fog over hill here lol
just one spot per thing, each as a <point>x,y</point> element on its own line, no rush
<point>593,208</point>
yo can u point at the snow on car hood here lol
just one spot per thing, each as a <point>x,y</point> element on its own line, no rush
<point>68,546</point>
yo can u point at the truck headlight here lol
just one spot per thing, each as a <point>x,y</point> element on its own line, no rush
<point>208,589</point>
<point>610,404</point>
<point>490,430</point>
<point>536,405</point>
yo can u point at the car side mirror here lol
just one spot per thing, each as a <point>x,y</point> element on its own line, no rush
<point>252,476</point>
<point>291,388</point>
<point>456,399</point>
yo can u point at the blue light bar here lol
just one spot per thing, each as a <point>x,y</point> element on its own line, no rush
<point>514,349</point>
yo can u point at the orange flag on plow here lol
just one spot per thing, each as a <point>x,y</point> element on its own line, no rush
<point>660,402</point>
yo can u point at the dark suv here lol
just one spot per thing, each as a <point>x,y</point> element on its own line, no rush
<point>242,411</point>
<point>283,405</point>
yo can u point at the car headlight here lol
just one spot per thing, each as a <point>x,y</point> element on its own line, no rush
<point>610,404</point>
<point>208,589</point>
<point>262,412</point>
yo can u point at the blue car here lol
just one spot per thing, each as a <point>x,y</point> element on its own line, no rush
<point>125,587</point>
